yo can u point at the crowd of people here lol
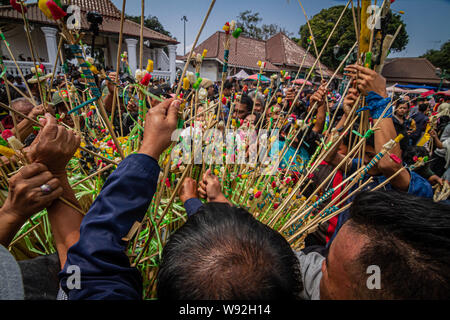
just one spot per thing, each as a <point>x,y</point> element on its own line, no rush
<point>223,251</point>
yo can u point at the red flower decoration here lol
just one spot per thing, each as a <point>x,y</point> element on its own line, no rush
<point>6,134</point>
<point>16,6</point>
<point>146,80</point>
<point>56,11</point>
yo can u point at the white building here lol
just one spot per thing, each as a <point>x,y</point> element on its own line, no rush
<point>45,37</point>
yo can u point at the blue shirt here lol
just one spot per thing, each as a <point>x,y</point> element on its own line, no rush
<point>101,253</point>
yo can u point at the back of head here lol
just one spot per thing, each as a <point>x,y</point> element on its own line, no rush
<point>409,240</point>
<point>223,253</point>
<point>228,85</point>
<point>423,107</point>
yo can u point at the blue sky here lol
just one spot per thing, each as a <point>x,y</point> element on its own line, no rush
<point>427,22</point>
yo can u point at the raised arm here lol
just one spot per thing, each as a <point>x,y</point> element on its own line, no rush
<point>319,97</point>
<point>373,85</point>
<point>54,147</point>
<point>100,253</point>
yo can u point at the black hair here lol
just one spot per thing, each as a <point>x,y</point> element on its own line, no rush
<point>224,253</point>
<point>409,240</point>
<point>245,99</point>
<point>423,107</point>
<point>228,85</point>
<point>412,151</point>
<point>400,102</point>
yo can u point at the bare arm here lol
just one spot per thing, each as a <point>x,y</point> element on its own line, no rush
<point>54,147</point>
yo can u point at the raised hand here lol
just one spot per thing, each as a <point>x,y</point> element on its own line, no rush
<point>367,80</point>
<point>54,146</point>
<point>210,189</point>
<point>160,123</point>
<point>319,96</point>
<point>188,190</point>
<point>350,100</point>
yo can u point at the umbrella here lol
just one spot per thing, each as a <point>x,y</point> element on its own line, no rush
<point>241,75</point>
<point>395,89</point>
<point>418,91</point>
<point>255,78</point>
<point>302,81</point>
<point>428,93</point>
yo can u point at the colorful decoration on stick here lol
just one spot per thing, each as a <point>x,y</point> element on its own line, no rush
<point>17,5</point>
<point>52,9</point>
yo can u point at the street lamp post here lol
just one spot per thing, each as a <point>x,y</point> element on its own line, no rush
<point>184,19</point>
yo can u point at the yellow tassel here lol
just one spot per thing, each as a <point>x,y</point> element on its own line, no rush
<point>7,152</point>
<point>94,69</point>
<point>364,38</point>
<point>186,84</point>
<point>150,66</point>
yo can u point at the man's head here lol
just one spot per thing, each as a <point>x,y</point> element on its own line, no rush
<point>227,89</point>
<point>258,100</point>
<point>223,253</point>
<point>404,238</point>
<point>243,108</point>
<point>423,107</point>
<point>23,106</point>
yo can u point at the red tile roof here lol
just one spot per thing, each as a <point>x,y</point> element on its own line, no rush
<point>278,52</point>
<point>111,19</point>
<point>410,70</point>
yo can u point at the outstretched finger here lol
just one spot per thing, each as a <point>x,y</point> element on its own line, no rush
<point>172,112</point>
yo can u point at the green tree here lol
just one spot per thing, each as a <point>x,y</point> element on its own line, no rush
<point>249,23</point>
<point>440,58</point>
<point>345,36</point>
<point>151,22</point>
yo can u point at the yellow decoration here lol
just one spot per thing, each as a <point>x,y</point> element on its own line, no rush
<point>45,10</point>
<point>150,66</point>
<point>7,152</point>
<point>186,84</point>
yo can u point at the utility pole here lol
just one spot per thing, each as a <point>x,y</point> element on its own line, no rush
<point>184,18</point>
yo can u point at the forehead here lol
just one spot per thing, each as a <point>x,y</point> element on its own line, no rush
<point>344,250</point>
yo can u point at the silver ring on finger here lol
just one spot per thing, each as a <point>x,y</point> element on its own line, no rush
<point>46,189</point>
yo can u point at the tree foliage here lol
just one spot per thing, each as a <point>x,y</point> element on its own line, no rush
<point>322,24</point>
<point>151,22</point>
<point>250,22</point>
<point>440,58</point>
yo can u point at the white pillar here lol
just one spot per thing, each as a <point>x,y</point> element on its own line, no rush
<point>52,43</point>
<point>132,54</point>
<point>173,62</point>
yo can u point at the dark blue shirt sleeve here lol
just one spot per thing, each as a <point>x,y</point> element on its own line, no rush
<point>192,206</point>
<point>100,254</point>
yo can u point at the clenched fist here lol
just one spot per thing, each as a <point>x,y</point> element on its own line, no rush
<point>54,146</point>
<point>160,123</point>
